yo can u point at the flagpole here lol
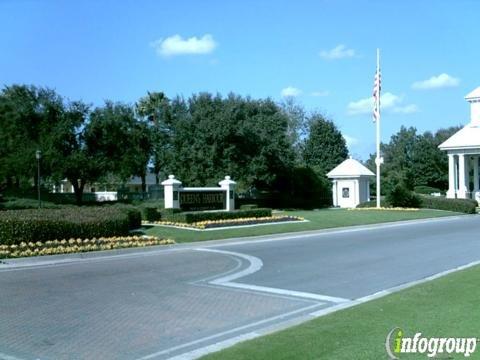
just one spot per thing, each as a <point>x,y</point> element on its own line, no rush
<point>378,160</point>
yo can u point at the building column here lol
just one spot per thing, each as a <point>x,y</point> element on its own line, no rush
<point>463,177</point>
<point>476,185</point>
<point>171,189</point>
<point>368,189</point>
<point>334,193</point>
<point>475,174</point>
<point>451,177</point>
<point>229,186</point>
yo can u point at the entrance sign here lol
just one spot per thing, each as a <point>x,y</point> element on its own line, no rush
<point>198,198</point>
<point>202,200</point>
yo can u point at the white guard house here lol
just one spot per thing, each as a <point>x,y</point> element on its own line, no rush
<point>351,185</point>
<point>463,149</point>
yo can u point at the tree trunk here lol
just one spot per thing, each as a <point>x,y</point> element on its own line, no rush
<point>78,186</point>
<point>144,182</point>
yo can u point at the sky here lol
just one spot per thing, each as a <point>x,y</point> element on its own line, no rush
<point>322,53</point>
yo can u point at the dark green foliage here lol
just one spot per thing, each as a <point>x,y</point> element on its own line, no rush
<point>427,190</point>
<point>369,204</point>
<point>248,206</point>
<point>400,196</point>
<point>459,205</point>
<point>150,213</point>
<point>18,226</point>
<point>191,217</point>
<point>414,159</point>
<point>19,204</point>
<point>133,213</point>
<point>325,147</point>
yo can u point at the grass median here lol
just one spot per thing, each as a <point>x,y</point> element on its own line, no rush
<point>446,307</point>
<point>321,219</point>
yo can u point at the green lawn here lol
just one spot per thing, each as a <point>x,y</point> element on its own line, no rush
<point>447,307</point>
<point>322,219</point>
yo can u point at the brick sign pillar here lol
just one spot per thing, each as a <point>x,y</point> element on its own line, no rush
<point>229,186</point>
<point>171,188</point>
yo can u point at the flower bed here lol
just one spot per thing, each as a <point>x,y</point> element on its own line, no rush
<point>54,247</point>
<point>202,225</point>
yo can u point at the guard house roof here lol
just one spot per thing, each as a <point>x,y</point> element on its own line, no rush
<point>475,94</point>
<point>466,138</point>
<point>350,168</point>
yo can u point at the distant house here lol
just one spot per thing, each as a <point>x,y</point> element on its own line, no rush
<point>103,192</point>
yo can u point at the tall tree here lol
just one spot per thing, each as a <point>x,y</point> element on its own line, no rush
<point>122,144</point>
<point>325,147</point>
<point>155,108</point>
<point>69,155</point>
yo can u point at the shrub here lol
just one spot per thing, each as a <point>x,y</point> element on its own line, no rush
<point>134,215</point>
<point>440,203</point>
<point>248,206</point>
<point>18,226</point>
<point>19,204</point>
<point>192,217</point>
<point>150,213</point>
<point>427,190</point>
<point>400,196</point>
<point>368,204</point>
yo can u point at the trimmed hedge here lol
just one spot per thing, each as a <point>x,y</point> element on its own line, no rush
<point>248,206</point>
<point>427,190</point>
<point>440,203</point>
<point>18,226</point>
<point>150,213</point>
<point>192,217</point>
<point>400,196</point>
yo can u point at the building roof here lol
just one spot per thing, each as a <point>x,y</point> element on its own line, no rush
<point>466,138</point>
<point>136,180</point>
<point>475,94</point>
<point>350,168</point>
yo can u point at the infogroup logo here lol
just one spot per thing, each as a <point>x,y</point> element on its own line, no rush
<point>397,343</point>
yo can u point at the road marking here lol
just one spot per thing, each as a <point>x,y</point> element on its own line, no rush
<point>240,328</point>
<point>8,357</point>
<point>255,265</point>
<point>195,354</point>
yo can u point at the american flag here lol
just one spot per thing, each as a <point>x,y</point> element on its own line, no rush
<point>377,86</point>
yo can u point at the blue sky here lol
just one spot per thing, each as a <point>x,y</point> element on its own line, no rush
<point>323,52</point>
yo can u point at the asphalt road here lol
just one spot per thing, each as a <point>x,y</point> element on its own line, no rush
<point>184,300</point>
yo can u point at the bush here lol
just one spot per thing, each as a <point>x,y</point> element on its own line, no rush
<point>400,196</point>
<point>427,190</point>
<point>248,206</point>
<point>134,215</point>
<point>440,203</point>
<point>369,204</point>
<point>150,213</point>
<point>18,226</point>
<point>192,217</point>
<point>19,204</point>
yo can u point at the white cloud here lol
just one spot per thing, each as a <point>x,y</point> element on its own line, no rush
<point>388,101</point>
<point>177,45</point>
<point>338,52</point>
<point>407,109</point>
<point>291,91</point>
<point>436,82</point>
<point>320,93</point>
<point>350,140</point>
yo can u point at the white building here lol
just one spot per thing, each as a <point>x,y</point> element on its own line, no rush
<point>351,184</point>
<point>463,149</point>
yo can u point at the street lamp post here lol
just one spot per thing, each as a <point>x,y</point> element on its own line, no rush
<point>38,155</point>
